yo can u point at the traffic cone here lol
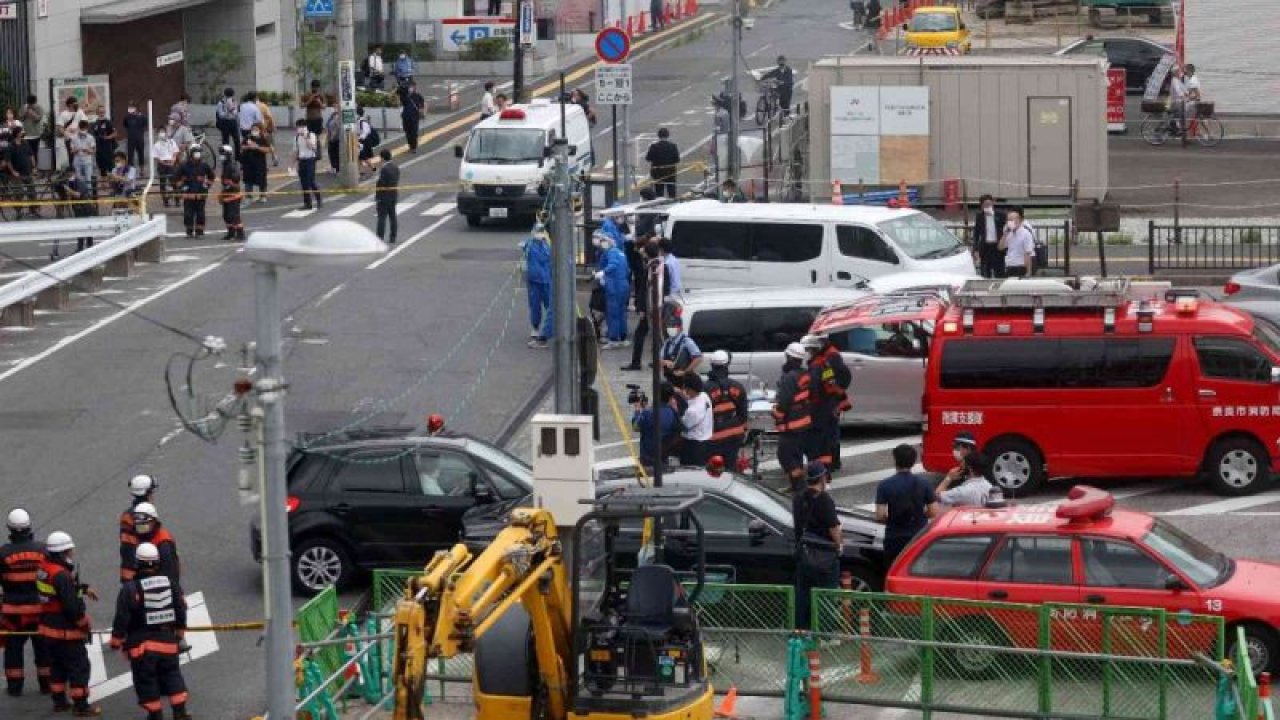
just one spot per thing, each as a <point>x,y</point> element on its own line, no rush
<point>728,704</point>
<point>630,26</point>
<point>837,194</point>
<point>904,199</point>
<point>640,25</point>
<point>815,685</point>
<point>1264,695</point>
<point>866,675</point>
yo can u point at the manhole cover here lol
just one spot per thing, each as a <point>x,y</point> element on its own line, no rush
<point>483,254</point>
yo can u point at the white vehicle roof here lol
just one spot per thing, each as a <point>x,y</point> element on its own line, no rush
<point>715,210</point>
<point>918,280</point>
<point>767,297</point>
<point>540,114</point>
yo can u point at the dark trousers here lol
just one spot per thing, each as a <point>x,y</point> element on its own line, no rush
<point>193,212</point>
<point>135,150</point>
<point>666,186</point>
<point>784,99</point>
<point>157,676</point>
<point>638,348</point>
<point>166,184</point>
<point>411,130</point>
<point>814,569</point>
<point>823,440</point>
<point>791,451</point>
<point>68,671</point>
<point>230,129</point>
<point>14,660</point>
<point>893,547</point>
<point>307,177</point>
<point>495,8</point>
<point>34,147</point>
<point>990,260</point>
<point>232,219</point>
<point>315,126</point>
<point>693,452</point>
<point>386,214</point>
<point>656,19</point>
<point>1015,272</point>
<point>334,157</point>
<point>728,451</point>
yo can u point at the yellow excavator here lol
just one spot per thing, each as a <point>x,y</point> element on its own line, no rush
<point>615,640</point>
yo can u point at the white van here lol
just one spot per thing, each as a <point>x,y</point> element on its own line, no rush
<point>723,245</point>
<point>506,163</point>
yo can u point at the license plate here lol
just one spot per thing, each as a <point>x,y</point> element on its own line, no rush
<point>497,212</point>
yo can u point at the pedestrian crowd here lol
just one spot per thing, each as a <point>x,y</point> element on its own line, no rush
<point>42,600</point>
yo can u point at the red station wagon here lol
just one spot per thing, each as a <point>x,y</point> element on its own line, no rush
<point>1124,379</point>
<point>1083,551</point>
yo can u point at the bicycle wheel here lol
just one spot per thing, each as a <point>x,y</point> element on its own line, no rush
<point>1155,129</point>
<point>1209,131</point>
<point>762,110</point>
<point>210,153</point>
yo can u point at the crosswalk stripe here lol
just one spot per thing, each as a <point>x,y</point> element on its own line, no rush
<point>408,203</point>
<point>438,210</point>
<point>355,208</point>
<point>1228,505</point>
<point>866,478</point>
<point>299,213</point>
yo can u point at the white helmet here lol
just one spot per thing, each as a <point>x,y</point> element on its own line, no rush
<point>140,485</point>
<point>719,358</point>
<point>814,342</point>
<point>19,520</point>
<point>59,542</point>
<point>145,509</point>
<point>796,351</point>
<point>147,553</point>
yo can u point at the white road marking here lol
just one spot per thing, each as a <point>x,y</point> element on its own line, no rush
<point>300,213</point>
<point>409,202</point>
<point>854,450</point>
<point>401,247</point>
<point>354,208</point>
<point>1228,505</point>
<point>72,339</point>
<point>327,296</point>
<point>866,478</point>
<point>440,209</point>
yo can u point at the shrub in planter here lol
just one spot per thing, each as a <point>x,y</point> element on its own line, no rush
<point>373,98</point>
<point>272,97</point>
<point>488,49</point>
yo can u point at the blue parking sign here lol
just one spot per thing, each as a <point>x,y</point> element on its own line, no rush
<point>477,33</point>
<point>318,8</point>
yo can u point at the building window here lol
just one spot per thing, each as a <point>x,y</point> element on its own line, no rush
<point>265,30</point>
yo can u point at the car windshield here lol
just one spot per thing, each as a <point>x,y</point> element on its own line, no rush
<point>505,146</point>
<point>921,237</point>
<point>766,502</point>
<point>1267,335</point>
<point>933,22</point>
<point>500,459</point>
<point>1205,566</point>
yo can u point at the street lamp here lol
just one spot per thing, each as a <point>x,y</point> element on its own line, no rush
<point>330,242</point>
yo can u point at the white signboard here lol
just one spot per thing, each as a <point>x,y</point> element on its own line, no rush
<point>528,28</point>
<point>1155,80</point>
<point>855,110</point>
<point>613,84</point>
<point>169,58</point>
<point>8,11</point>
<point>42,8</point>
<point>904,110</point>
<point>457,33</point>
<point>855,159</point>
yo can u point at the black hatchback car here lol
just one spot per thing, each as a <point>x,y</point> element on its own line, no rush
<point>385,498</point>
<point>748,531</point>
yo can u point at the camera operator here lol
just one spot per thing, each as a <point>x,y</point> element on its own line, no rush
<point>642,420</point>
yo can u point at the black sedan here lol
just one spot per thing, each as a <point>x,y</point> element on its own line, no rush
<point>748,531</point>
<point>385,498</point>
<point>1138,56</point>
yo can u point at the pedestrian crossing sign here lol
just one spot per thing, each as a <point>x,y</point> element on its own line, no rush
<point>318,8</point>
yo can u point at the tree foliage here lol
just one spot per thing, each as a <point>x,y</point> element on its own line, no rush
<point>212,65</point>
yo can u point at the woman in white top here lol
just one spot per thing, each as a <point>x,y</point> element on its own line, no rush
<point>165,152</point>
<point>696,423</point>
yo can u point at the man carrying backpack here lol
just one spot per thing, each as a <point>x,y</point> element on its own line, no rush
<point>227,114</point>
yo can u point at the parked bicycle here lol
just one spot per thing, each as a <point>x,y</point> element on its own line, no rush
<point>768,104</point>
<point>200,139</point>
<point>39,193</point>
<point>1161,125</point>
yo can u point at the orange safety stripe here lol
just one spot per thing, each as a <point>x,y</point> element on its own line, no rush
<point>152,706</point>
<point>17,609</point>
<point>14,673</point>
<point>179,698</point>
<point>794,425</point>
<point>78,692</point>
<point>723,407</point>
<point>19,576</point>
<point>155,646</point>
<point>60,634</point>
<point>729,432</point>
<point>57,688</point>
<point>127,573</point>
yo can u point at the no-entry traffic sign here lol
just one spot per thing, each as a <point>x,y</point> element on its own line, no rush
<point>613,45</point>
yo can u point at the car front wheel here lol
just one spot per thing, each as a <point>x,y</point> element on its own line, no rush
<point>319,563</point>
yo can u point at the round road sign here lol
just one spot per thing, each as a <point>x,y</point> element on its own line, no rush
<point>613,45</point>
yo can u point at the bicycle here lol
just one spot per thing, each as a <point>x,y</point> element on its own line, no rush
<point>1160,125</point>
<point>16,190</point>
<point>200,139</point>
<point>767,105</point>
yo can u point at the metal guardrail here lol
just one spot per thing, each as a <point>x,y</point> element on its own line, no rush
<point>1211,247</point>
<point>59,277</point>
<point>21,231</point>
<point>1054,235</point>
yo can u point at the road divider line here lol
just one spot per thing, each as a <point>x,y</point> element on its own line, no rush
<point>1227,505</point>
<point>401,247</point>
<point>354,208</point>
<point>440,209</point>
<point>299,213</point>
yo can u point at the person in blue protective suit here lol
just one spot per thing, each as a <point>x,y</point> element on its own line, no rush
<point>537,275</point>
<point>615,276</point>
<point>615,228</point>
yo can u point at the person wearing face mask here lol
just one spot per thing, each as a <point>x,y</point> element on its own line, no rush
<point>680,354</point>
<point>696,421</point>
<point>231,195</point>
<point>306,151</point>
<point>729,409</point>
<point>104,143</point>
<point>985,237</point>
<point>793,414</point>
<point>65,627</point>
<point>123,179</point>
<point>148,529</point>
<point>971,471</point>
<point>135,136</point>
<point>537,267</point>
<point>615,276</point>
<point>165,152</point>
<point>253,161</point>
<point>83,151</point>
<point>1019,247</point>
<point>194,178</point>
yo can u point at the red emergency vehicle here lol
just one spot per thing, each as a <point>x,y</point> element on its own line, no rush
<point>1122,379</point>
<point>1083,551</point>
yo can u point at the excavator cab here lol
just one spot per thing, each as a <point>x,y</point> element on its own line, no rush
<point>636,641</point>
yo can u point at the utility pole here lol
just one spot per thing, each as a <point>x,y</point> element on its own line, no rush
<point>735,33</point>
<point>563,284</point>
<point>270,392</point>
<point>517,59</point>
<point>349,173</point>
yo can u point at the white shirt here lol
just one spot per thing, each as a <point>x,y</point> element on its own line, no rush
<point>375,64</point>
<point>165,150</point>
<point>1021,244</point>
<point>1177,89</point>
<point>1193,87</point>
<point>698,418</point>
<point>69,121</point>
<point>304,146</point>
<point>991,235</point>
<point>487,104</point>
<point>364,127</point>
<point>974,492</point>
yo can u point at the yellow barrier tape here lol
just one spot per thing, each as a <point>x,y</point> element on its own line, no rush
<point>220,627</point>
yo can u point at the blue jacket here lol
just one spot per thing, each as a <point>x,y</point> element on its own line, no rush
<point>404,67</point>
<point>617,274</point>
<point>537,260</point>
<point>643,421</point>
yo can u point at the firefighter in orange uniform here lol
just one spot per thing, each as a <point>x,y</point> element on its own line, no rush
<point>151,618</point>
<point>64,625</point>
<point>20,561</point>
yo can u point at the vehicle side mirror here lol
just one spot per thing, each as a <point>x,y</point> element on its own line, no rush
<point>904,27</point>
<point>480,491</point>
<point>1175,583</point>
<point>1275,374</point>
<point>757,531</point>
<point>457,151</point>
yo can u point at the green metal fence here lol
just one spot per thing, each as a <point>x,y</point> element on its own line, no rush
<point>318,620</point>
<point>744,633</point>
<point>1067,661</point>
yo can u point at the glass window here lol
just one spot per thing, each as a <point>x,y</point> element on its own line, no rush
<point>1000,364</point>
<point>933,22</point>
<point>921,237</point>
<point>371,472</point>
<point>1055,363</point>
<point>1120,564</point>
<point>724,330</point>
<point>507,487</point>
<point>506,462</point>
<point>1232,359</point>
<point>952,557</point>
<point>505,146</point>
<point>444,474</point>
<point>780,327</point>
<point>774,242</point>
<point>1204,565</point>
<point>863,243</point>
<point>709,240</point>
<point>1267,335</point>
<point>1033,560</point>
<point>716,516</point>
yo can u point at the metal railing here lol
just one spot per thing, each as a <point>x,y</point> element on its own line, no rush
<point>1055,236</point>
<point>1211,247</point>
<point>50,285</point>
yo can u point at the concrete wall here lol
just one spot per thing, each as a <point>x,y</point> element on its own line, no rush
<point>977,117</point>
<point>1233,46</point>
<point>131,62</point>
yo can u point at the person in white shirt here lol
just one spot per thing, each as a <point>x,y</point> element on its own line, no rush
<point>165,152</point>
<point>1192,84</point>
<point>1019,247</point>
<point>1178,99</point>
<point>697,421</point>
<point>488,106</point>
<point>305,151</point>
<point>250,114</point>
<point>376,72</point>
<point>69,119</point>
<point>975,487</point>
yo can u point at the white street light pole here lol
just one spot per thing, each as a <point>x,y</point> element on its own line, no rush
<point>329,242</point>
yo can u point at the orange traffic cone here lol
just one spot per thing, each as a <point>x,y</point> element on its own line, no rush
<point>630,26</point>
<point>729,702</point>
<point>640,26</point>
<point>837,193</point>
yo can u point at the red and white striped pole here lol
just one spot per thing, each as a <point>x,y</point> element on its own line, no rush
<point>1264,695</point>
<point>815,685</point>
<point>866,674</point>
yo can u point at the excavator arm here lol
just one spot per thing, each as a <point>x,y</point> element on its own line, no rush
<point>459,597</point>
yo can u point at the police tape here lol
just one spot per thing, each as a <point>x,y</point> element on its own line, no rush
<point>220,627</point>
